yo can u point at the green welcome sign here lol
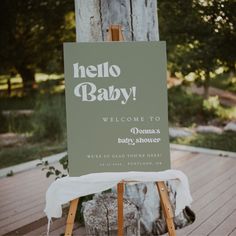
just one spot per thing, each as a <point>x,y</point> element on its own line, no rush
<point>116,102</point>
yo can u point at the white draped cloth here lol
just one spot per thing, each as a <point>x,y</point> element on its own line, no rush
<point>66,189</point>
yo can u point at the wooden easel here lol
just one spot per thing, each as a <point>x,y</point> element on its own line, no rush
<point>115,34</point>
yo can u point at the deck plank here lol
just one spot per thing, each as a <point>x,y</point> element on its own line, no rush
<point>228,226</point>
<point>208,209</point>
<point>233,232</point>
<point>218,180</point>
<point>212,181</point>
<point>22,199</point>
<point>212,226</point>
<point>188,162</point>
<point>209,173</point>
<point>43,230</point>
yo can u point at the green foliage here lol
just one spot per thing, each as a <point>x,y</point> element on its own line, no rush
<point>10,174</point>
<point>64,163</point>
<point>15,103</point>
<point>187,109</point>
<point>32,36</point>
<point>49,120</point>
<point>51,86</point>
<point>14,120</point>
<point>51,170</point>
<point>184,108</point>
<point>225,141</point>
<point>200,36</point>
<point>79,212</point>
<point>225,81</point>
<point>226,113</point>
<point>10,156</point>
<point>16,123</point>
<point>211,104</point>
<point>213,109</point>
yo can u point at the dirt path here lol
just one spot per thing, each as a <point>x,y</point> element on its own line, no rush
<point>226,98</point>
<point>11,139</point>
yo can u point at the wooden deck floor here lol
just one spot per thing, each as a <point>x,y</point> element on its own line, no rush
<point>212,182</point>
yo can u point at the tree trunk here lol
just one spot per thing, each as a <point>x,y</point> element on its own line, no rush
<point>28,78</point>
<point>9,87</point>
<point>137,17</point>
<point>139,22</point>
<point>206,86</point>
<point>105,206</point>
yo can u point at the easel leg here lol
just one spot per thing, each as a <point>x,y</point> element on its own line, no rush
<point>115,34</point>
<point>71,217</point>
<point>165,203</point>
<point>120,191</point>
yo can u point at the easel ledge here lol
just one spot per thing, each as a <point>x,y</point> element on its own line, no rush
<point>115,34</point>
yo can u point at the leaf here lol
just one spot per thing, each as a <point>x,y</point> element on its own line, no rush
<point>11,173</point>
<point>65,166</point>
<point>57,172</point>
<point>48,174</point>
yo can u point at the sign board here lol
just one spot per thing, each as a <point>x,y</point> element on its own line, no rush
<point>116,105</point>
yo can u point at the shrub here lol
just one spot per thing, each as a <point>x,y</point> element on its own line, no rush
<point>226,141</point>
<point>49,120</point>
<point>211,104</point>
<point>184,107</point>
<point>53,171</point>
<point>14,122</point>
<point>211,107</point>
<point>19,123</point>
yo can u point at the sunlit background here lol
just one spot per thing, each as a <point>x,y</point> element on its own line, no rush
<point>201,79</point>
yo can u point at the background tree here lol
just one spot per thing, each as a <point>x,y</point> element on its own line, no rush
<point>200,37</point>
<point>32,33</point>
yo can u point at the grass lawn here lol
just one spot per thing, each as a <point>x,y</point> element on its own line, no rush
<point>10,156</point>
<point>45,128</point>
<point>225,141</point>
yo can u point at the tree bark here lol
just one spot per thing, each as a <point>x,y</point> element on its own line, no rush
<point>137,17</point>
<point>28,78</point>
<point>9,87</point>
<point>206,86</point>
<point>105,206</point>
<point>139,22</point>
